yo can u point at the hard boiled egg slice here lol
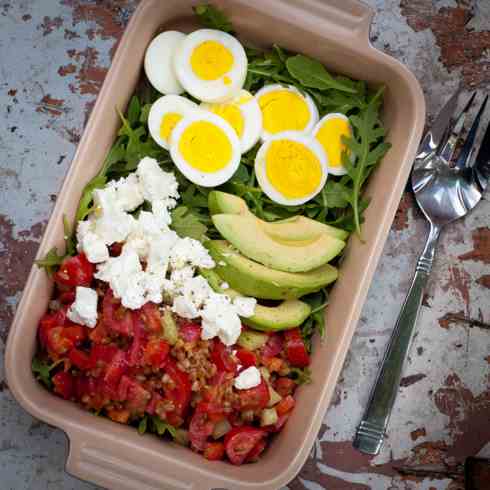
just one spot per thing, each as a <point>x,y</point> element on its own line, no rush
<point>291,168</point>
<point>211,65</point>
<point>205,148</point>
<point>243,114</point>
<point>165,113</point>
<point>285,109</point>
<point>328,132</point>
<point>159,62</point>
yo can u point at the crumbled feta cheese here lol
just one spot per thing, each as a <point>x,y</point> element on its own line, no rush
<point>184,308</point>
<point>190,251</point>
<point>248,378</point>
<point>224,285</point>
<point>156,184</point>
<point>219,318</point>
<point>91,244</point>
<point>129,194</point>
<point>178,277</point>
<point>160,209</point>
<point>84,309</point>
<point>114,227</point>
<point>245,306</point>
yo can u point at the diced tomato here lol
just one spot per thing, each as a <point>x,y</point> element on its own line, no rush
<point>75,271</point>
<point>255,398</point>
<point>240,441</point>
<point>155,399</point>
<point>257,450</point>
<point>180,393</point>
<point>102,355</point>
<point>221,357</point>
<point>121,416</point>
<point>213,410</point>
<point>296,352</point>
<point>84,386</point>
<point>123,388</point>
<point>273,364</point>
<point>190,332</point>
<point>273,346</point>
<point>156,352</point>
<point>67,297</point>
<point>247,358</point>
<point>285,386</point>
<point>81,359</point>
<point>214,451</point>
<point>116,317</point>
<point>115,249</point>
<point>285,405</point>
<point>135,353</point>
<point>200,428</point>
<point>117,367</point>
<point>57,342</point>
<point>48,322</point>
<point>151,317</point>
<point>75,333</point>
<point>136,397</point>
<point>63,384</point>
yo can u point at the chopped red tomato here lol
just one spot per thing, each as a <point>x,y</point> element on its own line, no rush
<point>240,441</point>
<point>255,398</point>
<point>214,451</point>
<point>117,367</point>
<point>48,322</point>
<point>63,384</point>
<point>75,271</point>
<point>156,352</point>
<point>67,298</point>
<point>180,392</point>
<point>285,386</point>
<point>135,396</point>
<point>285,405</point>
<point>151,317</point>
<point>84,386</point>
<point>155,399</point>
<point>200,428</point>
<point>273,364</point>
<point>100,334</point>
<point>247,358</point>
<point>221,356</point>
<point>135,352</point>
<point>81,359</point>
<point>75,333</point>
<point>57,342</point>
<point>116,317</point>
<point>102,355</point>
<point>273,346</point>
<point>190,332</point>
<point>296,352</point>
<point>257,450</point>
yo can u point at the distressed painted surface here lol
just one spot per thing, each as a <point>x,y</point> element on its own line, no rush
<point>48,85</point>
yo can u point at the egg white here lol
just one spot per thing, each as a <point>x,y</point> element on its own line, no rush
<point>206,179</point>
<point>251,114</point>
<point>334,170</point>
<point>210,90</point>
<point>312,109</point>
<point>163,106</point>
<point>261,174</point>
<point>159,62</point>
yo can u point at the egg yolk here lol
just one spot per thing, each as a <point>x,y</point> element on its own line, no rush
<point>205,146</point>
<point>283,110</point>
<point>292,168</point>
<point>232,115</point>
<point>330,137</point>
<point>169,121</point>
<point>211,60</point>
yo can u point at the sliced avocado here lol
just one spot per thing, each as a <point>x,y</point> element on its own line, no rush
<point>252,279</point>
<point>246,234</point>
<point>288,314</point>
<point>293,228</point>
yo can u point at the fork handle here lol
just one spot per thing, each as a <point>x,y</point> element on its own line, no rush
<point>371,431</point>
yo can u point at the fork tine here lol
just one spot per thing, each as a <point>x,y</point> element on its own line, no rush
<point>481,166</point>
<point>454,131</point>
<point>468,149</point>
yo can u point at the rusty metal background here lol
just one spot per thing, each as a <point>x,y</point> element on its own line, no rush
<point>54,55</point>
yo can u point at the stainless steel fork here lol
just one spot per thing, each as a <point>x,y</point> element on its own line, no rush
<point>445,188</point>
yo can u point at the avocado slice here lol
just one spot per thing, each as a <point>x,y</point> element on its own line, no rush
<point>246,234</point>
<point>288,314</point>
<point>252,279</point>
<point>293,228</point>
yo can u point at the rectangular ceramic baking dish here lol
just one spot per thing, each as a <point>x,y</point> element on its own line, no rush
<point>116,456</point>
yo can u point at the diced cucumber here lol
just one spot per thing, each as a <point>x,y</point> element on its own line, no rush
<point>268,417</point>
<point>221,428</point>
<point>275,397</point>
<point>170,332</point>
<point>252,340</point>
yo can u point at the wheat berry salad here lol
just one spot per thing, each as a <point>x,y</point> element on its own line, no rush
<point>198,267</point>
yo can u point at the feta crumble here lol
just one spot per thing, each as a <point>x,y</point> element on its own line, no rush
<point>84,309</point>
<point>248,378</point>
<point>157,184</point>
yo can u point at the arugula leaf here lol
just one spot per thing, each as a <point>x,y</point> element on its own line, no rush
<point>43,369</point>
<point>160,427</point>
<point>134,110</point>
<point>143,425</point>
<point>311,73</point>
<point>70,240</point>
<point>212,17</point>
<point>300,376</point>
<point>187,223</point>
<point>84,207</point>
<point>51,261</point>
<point>318,302</point>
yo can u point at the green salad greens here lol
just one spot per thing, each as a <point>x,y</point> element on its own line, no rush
<point>340,203</point>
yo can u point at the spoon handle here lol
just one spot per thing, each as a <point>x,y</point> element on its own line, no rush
<point>371,431</point>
